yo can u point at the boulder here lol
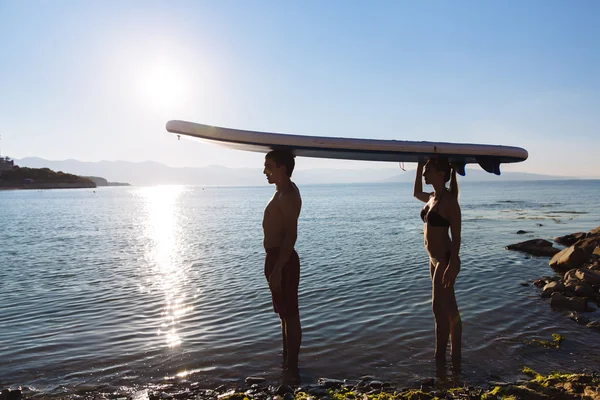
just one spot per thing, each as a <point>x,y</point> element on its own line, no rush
<point>589,276</point>
<point>570,275</point>
<point>560,302</point>
<point>569,258</point>
<point>588,245</point>
<point>569,240</point>
<point>330,383</point>
<point>251,380</point>
<point>540,282</point>
<point>571,285</point>
<point>595,232</point>
<point>536,247</point>
<point>580,319</point>
<point>584,290</point>
<point>552,287</point>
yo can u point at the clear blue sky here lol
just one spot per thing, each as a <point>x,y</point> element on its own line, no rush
<point>97,80</point>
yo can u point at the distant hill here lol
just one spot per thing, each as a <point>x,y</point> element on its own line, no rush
<point>153,173</point>
<point>21,177</point>
<point>475,175</point>
<point>103,182</point>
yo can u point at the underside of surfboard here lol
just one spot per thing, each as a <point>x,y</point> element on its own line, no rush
<point>489,157</point>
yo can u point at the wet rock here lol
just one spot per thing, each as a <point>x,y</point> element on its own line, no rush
<point>570,275</point>
<point>140,395</point>
<point>375,384</point>
<point>524,284</point>
<point>558,301</point>
<point>8,394</point>
<point>584,290</point>
<point>595,232</point>
<point>552,392</point>
<point>580,319</point>
<point>283,389</point>
<point>427,384</point>
<point>553,287</point>
<point>226,394</point>
<point>570,387</point>
<point>330,383</point>
<point>288,396</point>
<point>588,245</point>
<point>569,258</point>
<point>536,247</point>
<point>367,378</point>
<point>252,380</point>
<point>570,240</point>
<point>540,282</point>
<point>570,285</point>
<point>589,276</point>
<point>318,391</point>
<point>593,325</point>
<point>350,383</point>
<point>592,392</point>
<point>521,232</point>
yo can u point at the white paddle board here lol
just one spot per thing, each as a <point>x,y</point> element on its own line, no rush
<point>489,157</point>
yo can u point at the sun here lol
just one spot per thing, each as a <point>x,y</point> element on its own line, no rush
<point>162,86</point>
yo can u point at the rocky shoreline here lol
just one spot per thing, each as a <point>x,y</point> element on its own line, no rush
<point>534,386</point>
<point>575,287</point>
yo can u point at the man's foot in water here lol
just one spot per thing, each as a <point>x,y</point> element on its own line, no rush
<point>291,376</point>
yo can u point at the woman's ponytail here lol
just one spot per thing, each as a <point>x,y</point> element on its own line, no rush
<point>453,182</point>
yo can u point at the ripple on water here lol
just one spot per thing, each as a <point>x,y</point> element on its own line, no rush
<point>135,284</point>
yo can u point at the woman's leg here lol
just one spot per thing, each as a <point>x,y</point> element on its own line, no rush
<point>440,314</point>
<point>455,326</point>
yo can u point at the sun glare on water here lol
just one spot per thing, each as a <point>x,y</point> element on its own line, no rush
<point>166,273</point>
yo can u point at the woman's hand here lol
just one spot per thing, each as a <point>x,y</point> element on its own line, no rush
<point>451,272</point>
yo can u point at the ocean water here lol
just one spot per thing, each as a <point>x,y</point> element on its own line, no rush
<point>126,286</point>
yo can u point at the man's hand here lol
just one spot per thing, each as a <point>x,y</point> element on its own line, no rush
<point>275,280</point>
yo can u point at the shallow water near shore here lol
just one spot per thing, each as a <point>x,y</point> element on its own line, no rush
<point>126,286</point>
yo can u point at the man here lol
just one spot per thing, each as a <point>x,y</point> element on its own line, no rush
<point>282,265</point>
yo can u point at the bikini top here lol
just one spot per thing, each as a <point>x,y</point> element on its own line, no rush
<point>433,218</point>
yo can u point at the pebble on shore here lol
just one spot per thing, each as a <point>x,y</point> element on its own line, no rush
<point>554,386</point>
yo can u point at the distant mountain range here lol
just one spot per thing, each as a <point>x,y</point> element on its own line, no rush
<point>153,173</point>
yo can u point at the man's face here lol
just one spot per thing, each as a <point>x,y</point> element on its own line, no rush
<point>272,171</point>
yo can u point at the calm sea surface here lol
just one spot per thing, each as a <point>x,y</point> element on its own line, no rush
<point>125,286</point>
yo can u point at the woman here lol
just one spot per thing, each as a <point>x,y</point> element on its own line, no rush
<point>440,215</point>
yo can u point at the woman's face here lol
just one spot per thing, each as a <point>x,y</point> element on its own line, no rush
<point>431,174</point>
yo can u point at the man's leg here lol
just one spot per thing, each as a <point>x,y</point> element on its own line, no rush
<point>284,340</point>
<point>293,337</point>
